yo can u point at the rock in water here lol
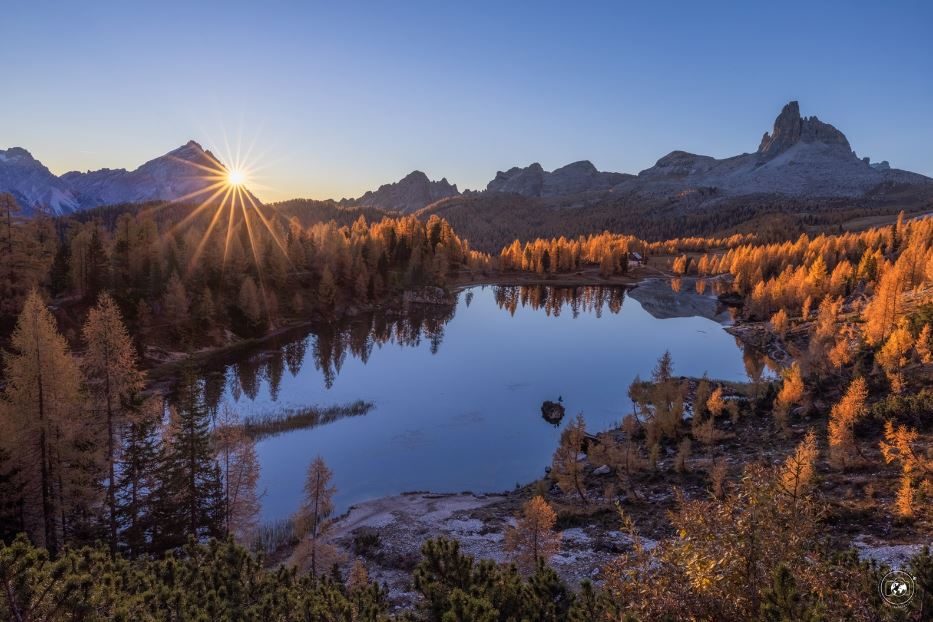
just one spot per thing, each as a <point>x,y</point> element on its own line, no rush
<point>552,412</point>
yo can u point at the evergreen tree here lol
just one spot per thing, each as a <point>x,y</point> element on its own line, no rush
<point>784,603</point>
<point>189,500</point>
<point>137,479</point>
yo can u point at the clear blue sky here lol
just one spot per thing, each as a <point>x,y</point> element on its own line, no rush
<point>339,99</point>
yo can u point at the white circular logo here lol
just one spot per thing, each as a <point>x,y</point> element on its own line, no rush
<point>897,588</point>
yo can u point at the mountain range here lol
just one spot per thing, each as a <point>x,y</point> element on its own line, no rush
<point>801,157</point>
<point>188,171</point>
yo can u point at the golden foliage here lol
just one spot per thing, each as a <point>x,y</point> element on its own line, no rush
<point>313,517</point>
<point>533,538</point>
<point>41,421</point>
<point>790,395</point>
<point>842,419</point>
<point>721,559</point>
<point>924,345</point>
<point>899,446</point>
<point>566,469</point>
<point>779,322</point>
<point>796,477</point>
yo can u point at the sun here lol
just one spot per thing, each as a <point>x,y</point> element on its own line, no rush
<point>235,178</point>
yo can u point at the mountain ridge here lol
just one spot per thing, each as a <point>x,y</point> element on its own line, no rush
<point>800,157</point>
<point>176,175</point>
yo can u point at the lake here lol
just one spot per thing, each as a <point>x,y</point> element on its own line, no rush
<point>457,391</point>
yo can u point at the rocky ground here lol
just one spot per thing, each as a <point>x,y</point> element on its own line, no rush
<point>387,535</point>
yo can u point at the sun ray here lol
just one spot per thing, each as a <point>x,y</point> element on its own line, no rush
<point>269,227</point>
<point>206,204</point>
<point>207,234</point>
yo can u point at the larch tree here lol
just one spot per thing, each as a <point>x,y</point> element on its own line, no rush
<point>566,469</point>
<point>842,419</point>
<point>886,306</point>
<point>790,395</point>
<point>899,446</point>
<point>894,355</point>
<point>327,288</point>
<point>248,301</point>
<point>779,322</point>
<point>239,467</point>
<point>924,345</point>
<point>314,515</point>
<point>796,477</point>
<point>175,303</point>
<point>533,538</point>
<point>113,379</point>
<point>39,402</point>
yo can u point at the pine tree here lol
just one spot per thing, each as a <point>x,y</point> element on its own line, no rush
<point>41,395</point>
<point>113,379</point>
<point>189,496</point>
<point>784,603</point>
<point>533,539</point>
<point>137,477</point>
<point>11,498</point>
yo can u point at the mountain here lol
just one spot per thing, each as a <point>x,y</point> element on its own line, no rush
<point>182,174</point>
<point>800,157</point>
<point>575,178</point>
<point>803,176</point>
<point>32,184</point>
<point>409,194</point>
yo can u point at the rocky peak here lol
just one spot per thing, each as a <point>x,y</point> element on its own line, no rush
<point>16,155</point>
<point>574,178</point>
<point>790,128</point>
<point>409,194</point>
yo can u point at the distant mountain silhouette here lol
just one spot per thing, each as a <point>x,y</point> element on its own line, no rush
<point>180,174</point>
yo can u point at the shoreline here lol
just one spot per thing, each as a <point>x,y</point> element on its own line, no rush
<point>161,373</point>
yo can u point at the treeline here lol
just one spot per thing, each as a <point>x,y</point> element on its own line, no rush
<point>609,251</point>
<point>85,456</point>
<point>492,220</point>
<point>185,273</point>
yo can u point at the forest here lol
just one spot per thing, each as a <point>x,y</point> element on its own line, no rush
<point>118,501</point>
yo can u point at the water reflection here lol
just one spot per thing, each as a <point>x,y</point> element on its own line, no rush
<point>458,390</point>
<point>552,300</point>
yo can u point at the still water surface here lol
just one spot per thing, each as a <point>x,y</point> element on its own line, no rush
<point>457,392</point>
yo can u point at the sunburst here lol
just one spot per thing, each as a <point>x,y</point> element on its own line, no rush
<point>226,195</point>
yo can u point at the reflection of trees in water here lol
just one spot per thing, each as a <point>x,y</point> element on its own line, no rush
<point>756,362</point>
<point>588,299</point>
<point>358,336</point>
<point>331,343</point>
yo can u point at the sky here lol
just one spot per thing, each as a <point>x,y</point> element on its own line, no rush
<point>333,99</point>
